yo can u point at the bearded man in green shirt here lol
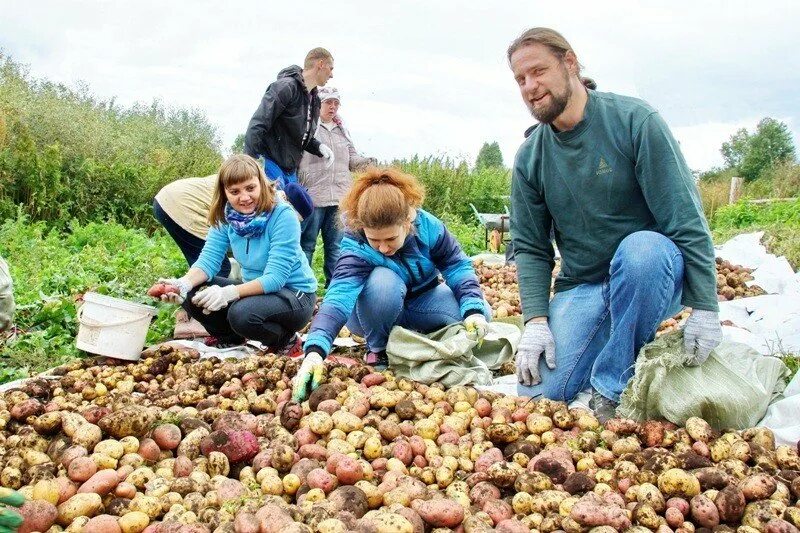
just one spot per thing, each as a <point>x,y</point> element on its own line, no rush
<point>604,172</point>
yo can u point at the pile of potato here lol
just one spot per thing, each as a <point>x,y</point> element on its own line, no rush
<point>500,288</point>
<point>179,444</point>
<point>732,281</point>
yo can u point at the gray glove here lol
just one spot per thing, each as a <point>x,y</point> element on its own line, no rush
<point>701,334</point>
<point>536,339</point>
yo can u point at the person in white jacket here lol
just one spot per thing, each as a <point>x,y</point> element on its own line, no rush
<point>6,297</point>
<point>328,185</point>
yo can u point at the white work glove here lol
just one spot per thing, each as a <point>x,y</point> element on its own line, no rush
<point>536,339</point>
<point>184,286</point>
<point>213,298</point>
<point>477,324</point>
<point>309,377</point>
<point>327,154</point>
<point>701,334</point>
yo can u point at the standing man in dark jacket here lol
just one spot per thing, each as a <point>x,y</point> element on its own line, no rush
<point>284,125</point>
<point>605,173</point>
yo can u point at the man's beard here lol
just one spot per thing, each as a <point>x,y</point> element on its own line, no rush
<point>548,114</point>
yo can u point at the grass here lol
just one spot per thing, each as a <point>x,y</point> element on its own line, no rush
<point>51,269</point>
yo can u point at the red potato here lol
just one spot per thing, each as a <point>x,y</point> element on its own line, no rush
<point>487,459</point>
<point>370,380</point>
<point>704,512</point>
<point>511,526</point>
<point>414,518</point>
<point>305,436</point>
<point>498,510</point>
<point>591,513</point>
<point>66,489</point>
<point>125,490</point>
<point>402,450</point>
<point>439,513</point>
<point>37,515</point>
<point>321,479</point>
<point>104,523</point>
<point>149,450</point>
<point>777,525</point>
<point>81,469</point>
<point>674,517</point>
<point>333,460</point>
<point>330,406</point>
<point>272,518</point>
<point>101,483</point>
<point>182,467</point>
<point>349,471</point>
<point>417,445</point>
<point>448,437</point>
<point>680,504</point>
<point>483,407</point>
<point>623,484</point>
<point>313,451</point>
<point>167,436</point>
<point>159,289</point>
<point>246,523</point>
<point>231,489</point>
<point>483,492</point>
<point>72,453</point>
<point>303,467</point>
<point>94,414</point>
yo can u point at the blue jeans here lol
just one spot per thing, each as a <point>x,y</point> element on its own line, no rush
<point>382,305</point>
<point>599,328</point>
<point>276,173</point>
<point>326,220</point>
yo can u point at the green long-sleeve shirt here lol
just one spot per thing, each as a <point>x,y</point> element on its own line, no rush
<point>616,172</point>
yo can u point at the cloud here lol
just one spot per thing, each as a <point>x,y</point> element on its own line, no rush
<point>423,77</point>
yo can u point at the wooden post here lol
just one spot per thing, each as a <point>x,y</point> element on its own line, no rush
<point>736,190</point>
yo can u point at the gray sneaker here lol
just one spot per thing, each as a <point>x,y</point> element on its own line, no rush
<point>603,407</point>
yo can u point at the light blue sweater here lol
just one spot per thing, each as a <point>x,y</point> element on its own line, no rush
<point>275,258</point>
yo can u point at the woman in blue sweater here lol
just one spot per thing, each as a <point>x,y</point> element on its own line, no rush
<point>278,292</point>
<point>388,273</point>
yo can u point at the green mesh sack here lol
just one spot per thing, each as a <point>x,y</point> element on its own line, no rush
<point>732,389</point>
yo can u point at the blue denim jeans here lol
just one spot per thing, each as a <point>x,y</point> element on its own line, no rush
<point>599,328</point>
<point>382,305</point>
<point>325,220</point>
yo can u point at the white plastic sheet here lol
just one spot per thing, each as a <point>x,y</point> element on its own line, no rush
<point>783,416</point>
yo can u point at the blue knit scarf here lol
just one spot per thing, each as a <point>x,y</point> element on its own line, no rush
<point>247,226</point>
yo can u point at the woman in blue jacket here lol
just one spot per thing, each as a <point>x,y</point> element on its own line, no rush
<point>278,292</point>
<point>388,272</point>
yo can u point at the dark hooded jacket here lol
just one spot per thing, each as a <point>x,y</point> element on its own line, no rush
<point>279,124</point>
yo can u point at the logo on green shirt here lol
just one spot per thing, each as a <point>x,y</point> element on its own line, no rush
<point>603,168</point>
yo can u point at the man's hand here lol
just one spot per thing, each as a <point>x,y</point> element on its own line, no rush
<point>10,520</point>
<point>214,297</point>
<point>184,286</point>
<point>536,339</point>
<point>309,377</point>
<point>327,154</point>
<point>476,323</point>
<point>701,334</point>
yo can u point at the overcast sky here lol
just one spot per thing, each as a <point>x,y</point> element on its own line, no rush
<point>424,77</point>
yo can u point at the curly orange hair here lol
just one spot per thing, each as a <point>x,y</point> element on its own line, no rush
<point>381,197</point>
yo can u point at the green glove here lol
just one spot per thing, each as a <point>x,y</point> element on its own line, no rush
<point>310,376</point>
<point>10,520</point>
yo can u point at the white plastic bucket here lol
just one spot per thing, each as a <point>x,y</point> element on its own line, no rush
<point>112,327</point>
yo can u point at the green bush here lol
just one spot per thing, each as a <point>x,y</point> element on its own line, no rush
<point>51,269</point>
<point>744,214</point>
<point>450,186</point>
<point>66,155</point>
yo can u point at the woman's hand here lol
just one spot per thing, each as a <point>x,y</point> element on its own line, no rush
<point>213,298</point>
